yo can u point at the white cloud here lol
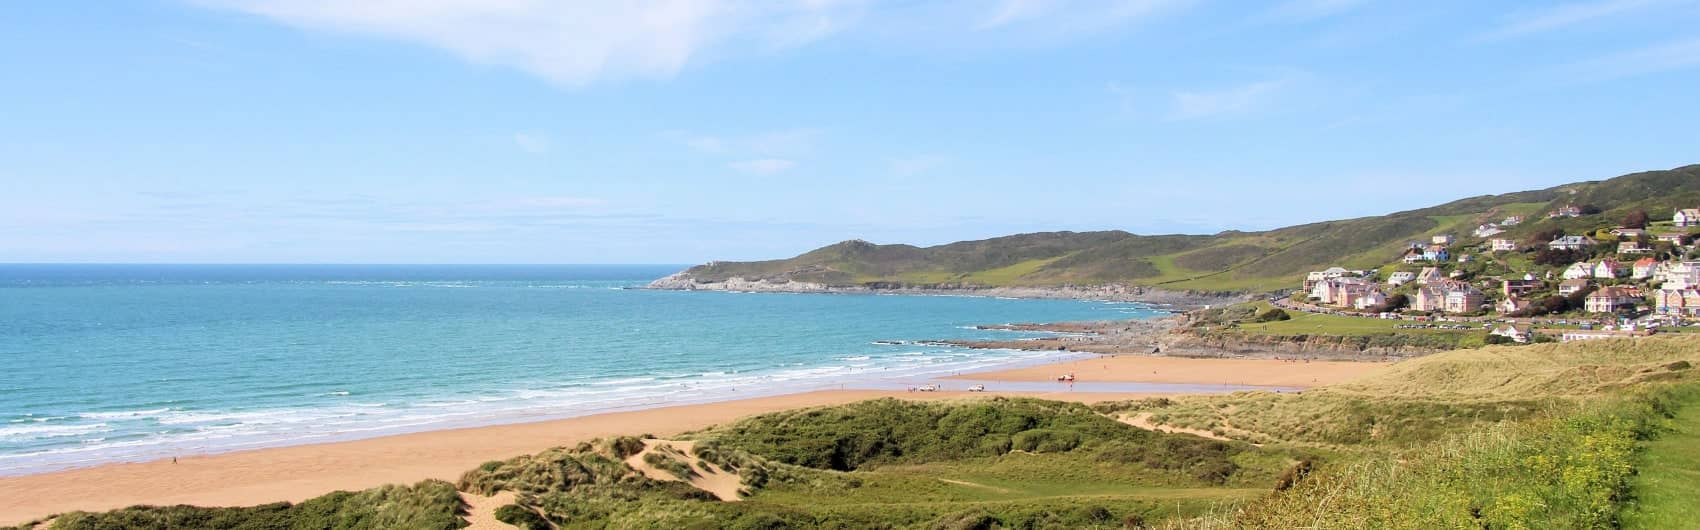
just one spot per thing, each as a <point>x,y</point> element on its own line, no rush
<point>1206,104</point>
<point>763,166</point>
<point>1563,15</point>
<point>1299,10</point>
<point>786,142</point>
<point>571,43</point>
<point>1662,57</point>
<point>1074,13</point>
<point>534,143</point>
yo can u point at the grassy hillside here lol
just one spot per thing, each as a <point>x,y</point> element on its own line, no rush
<point>1228,261</point>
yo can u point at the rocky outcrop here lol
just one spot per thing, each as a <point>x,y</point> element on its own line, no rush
<point>1177,300</point>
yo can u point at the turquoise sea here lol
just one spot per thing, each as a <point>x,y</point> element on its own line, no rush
<point>107,363</point>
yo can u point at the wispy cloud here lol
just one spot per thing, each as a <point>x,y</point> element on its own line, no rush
<point>1075,13</point>
<point>1301,10</point>
<point>1193,105</point>
<point>1565,15</point>
<point>763,166</point>
<point>534,143</point>
<point>1663,57</point>
<point>786,142</point>
<point>568,43</point>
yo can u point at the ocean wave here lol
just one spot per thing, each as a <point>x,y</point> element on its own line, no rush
<point>123,414</point>
<point>854,358</point>
<point>16,433</point>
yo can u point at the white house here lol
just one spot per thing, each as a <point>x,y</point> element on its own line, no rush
<point>1413,255</point>
<point>1401,278</point>
<point>1643,268</point>
<point>1580,269</point>
<point>1371,298</point>
<point>1511,305</point>
<point>1569,210</point>
<point>1512,221</point>
<point>1633,247</point>
<point>1430,275</point>
<point>1672,238</point>
<point>1488,230</point>
<point>1686,217</point>
<point>1503,245</point>
<point>1607,269</point>
<point>1570,287</point>
<point>1516,333</point>
<point>1443,239</point>
<point>1571,243</point>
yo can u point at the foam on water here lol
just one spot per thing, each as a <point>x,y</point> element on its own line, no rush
<point>115,364</point>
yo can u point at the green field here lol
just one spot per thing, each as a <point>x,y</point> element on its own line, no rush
<point>1666,491</point>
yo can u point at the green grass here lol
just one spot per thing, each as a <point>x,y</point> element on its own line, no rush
<point>1667,488</point>
<point>1011,275</point>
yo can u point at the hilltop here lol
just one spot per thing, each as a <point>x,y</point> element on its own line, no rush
<point>1231,261</point>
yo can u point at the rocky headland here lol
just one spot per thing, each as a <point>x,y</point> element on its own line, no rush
<point>1162,298</point>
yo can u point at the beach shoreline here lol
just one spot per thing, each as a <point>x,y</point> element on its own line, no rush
<point>295,473</point>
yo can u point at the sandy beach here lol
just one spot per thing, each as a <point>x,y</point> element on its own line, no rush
<point>300,472</point>
<point>1182,370</point>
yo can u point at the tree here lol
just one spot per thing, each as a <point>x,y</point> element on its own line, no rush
<point>1543,237</point>
<point>1394,303</point>
<point>1589,209</point>
<point>1635,219</point>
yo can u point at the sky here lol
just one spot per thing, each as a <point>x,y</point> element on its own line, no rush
<point>682,131</point>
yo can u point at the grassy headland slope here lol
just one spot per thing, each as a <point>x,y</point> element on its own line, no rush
<point>1228,261</point>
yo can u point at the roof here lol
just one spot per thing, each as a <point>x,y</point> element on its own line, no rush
<point>1578,281</point>
<point>1645,262</point>
<point>1689,211</point>
<point>1612,292</point>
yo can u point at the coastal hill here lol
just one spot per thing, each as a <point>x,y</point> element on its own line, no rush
<point>1228,261</point>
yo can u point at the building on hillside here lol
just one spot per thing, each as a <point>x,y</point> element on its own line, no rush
<point>1413,255</point>
<point>1570,287</point>
<point>1462,298</point>
<point>1633,247</point>
<point>1487,230</point>
<point>1679,302</point>
<point>1569,210</point>
<point>1673,238</point>
<point>1340,291</point>
<point>1686,217</point>
<point>1580,269</point>
<point>1370,299</point>
<point>1573,335</point>
<point>1607,269</point>
<point>1678,275</point>
<point>1516,332</point>
<point>1401,278</point>
<point>1643,268</point>
<point>1511,287</point>
<point>1511,304</point>
<point>1443,239</point>
<point>1512,221</point>
<point>1611,299</point>
<point>1572,243</point>
<point>1436,253</point>
<point>1430,275</point>
<point>1428,298</point>
<point>1628,232</point>
<point>1503,245</point>
<point>1466,258</point>
<point>1329,274</point>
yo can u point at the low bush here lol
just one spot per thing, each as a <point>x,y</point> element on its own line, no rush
<point>522,517</point>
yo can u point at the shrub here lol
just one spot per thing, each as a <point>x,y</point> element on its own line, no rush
<point>522,517</point>
<point>1273,314</point>
<point>625,446</point>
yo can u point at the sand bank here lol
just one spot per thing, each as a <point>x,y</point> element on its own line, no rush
<point>1153,369</point>
<point>301,472</point>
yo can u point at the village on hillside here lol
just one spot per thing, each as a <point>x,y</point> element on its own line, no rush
<point>1632,277</point>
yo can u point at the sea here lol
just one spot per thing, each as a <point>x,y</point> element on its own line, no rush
<point>118,363</point>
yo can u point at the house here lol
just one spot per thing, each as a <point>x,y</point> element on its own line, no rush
<point>1633,247</point>
<point>1341,291</point>
<point>1580,269</point>
<point>1573,335</point>
<point>1413,255</point>
<point>1570,287</point>
<point>1569,210</point>
<point>1503,245</point>
<point>1461,298</point>
<point>1678,275</point>
<point>1679,302</point>
<point>1430,275</point>
<point>1371,299</point>
<point>1436,253</point>
<point>1488,230</point>
<point>1628,232</point>
<point>1428,298</point>
<point>1466,258</point>
<point>1511,304</point>
<point>1673,238</point>
<point>1512,221</point>
<point>1328,274</point>
<point>1571,243</point>
<point>1401,278</point>
<point>1443,239</point>
<point>1686,217</point>
<point>1611,299</point>
<point>1643,268</point>
<point>1607,269</point>
<point>1517,333</point>
<point>1518,287</point>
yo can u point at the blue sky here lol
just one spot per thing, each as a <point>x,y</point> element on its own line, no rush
<point>522,131</point>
